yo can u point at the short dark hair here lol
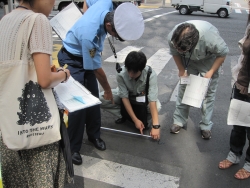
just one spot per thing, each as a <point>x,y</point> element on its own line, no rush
<point>135,61</point>
<point>31,2</point>
<point>185,40</point>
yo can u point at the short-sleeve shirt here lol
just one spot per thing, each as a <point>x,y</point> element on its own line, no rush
<point>9,33</point>
<point>210,42</point>
<point>128,86</point>
<point>88,34</point>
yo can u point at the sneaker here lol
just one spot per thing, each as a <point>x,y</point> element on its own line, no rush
<point>206,134</point>
<point>175,129</point>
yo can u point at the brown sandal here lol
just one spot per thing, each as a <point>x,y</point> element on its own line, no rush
<point>242,174</point>
<point>225,164</point>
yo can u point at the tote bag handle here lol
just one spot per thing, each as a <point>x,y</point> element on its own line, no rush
<point>20,34</point>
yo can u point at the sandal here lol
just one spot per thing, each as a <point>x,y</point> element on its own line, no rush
<point>242,174</point>
<point>225,164</point>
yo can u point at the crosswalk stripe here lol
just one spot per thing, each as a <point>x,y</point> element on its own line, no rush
<point>237,4</point>
<point>159,60</point>
<point>238,11</point>
<point>121,55</point>
<point>123,175</point>
<point>157,16</point>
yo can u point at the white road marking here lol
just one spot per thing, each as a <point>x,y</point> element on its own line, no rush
<point>121,55</point>
<point>238,11</point>
<point>123,175</point>
<point>175,92</point>
<point>157,16</point>
<point>159,60</point>
<point>149,10</point>
<point>237,4</point>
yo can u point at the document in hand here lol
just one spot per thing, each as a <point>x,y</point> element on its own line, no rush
<point>65,19</point>
<point>239,113</point>
<point>74,96</point>
<point>196,91</point>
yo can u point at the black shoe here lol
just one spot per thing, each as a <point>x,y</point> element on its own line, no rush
<point>98,143</point>
<point>120,120</point>
<point>76,158</point>
<point>206,134</point>
<point>175,129</point>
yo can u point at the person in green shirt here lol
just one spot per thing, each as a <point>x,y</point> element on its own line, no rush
<point>131,82</point>
<point>197,48</point>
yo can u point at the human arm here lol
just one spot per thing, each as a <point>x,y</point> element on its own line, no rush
<point>85,6</point>
<point>178,62</point>
<point>217,63</point>
<point>154,133</point>
<point>40,45</point>
<point>138,124</point>
<point>102,79</point>
<point>46,78</point>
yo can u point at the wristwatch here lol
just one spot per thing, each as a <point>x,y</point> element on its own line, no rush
<point>156,126</point>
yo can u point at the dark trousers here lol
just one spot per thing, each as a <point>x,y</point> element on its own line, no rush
<point>91,117</point>
<point>240,133</point>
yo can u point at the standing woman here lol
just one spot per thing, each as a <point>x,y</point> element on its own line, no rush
<point>239,134</point>
<point>42,166</point>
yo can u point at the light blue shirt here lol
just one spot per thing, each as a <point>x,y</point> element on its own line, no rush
<point>210,43</point>
<point>88,33</point>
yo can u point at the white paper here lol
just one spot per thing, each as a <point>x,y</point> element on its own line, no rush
<point>249,88</point>
<point>74,96</point>
<point>196,91</point>
<point>185,80</point>
<point>65,19</point>
<point>140,99</point>
<point>239,113</point>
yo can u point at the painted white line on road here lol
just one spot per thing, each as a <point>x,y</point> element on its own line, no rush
<point>159,60</point>
<point>121,55</point>
<point>237,11</point>
<point>123,175</point>
<point>149,10</point>
<point>237,4</point>
<point>175,92</point>
<point>157,16</point>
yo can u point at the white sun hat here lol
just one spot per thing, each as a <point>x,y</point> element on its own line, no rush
<point>128,21</point>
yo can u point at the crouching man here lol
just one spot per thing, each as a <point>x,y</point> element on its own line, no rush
<point>132,81</point>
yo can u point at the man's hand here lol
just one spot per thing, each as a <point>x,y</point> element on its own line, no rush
<point>182,72</point>
<point>209,74</point>
<point>108,96</point>
<point>155,133</point>
<point>139,125</point>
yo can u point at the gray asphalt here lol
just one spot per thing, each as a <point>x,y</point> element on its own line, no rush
<point>185,155</point>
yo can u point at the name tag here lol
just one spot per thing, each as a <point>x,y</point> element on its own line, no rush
<point>185,80</point>
<point>140,99</point>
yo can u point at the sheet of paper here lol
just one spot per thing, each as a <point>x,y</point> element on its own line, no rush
<point>74,96</point>
<point>196,91</point>
<point>239,113</point>
<point>65,19</point>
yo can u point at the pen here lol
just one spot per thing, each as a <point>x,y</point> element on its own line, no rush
<point>65,66</point>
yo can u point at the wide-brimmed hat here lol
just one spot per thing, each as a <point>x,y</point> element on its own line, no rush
<point>128,21</point>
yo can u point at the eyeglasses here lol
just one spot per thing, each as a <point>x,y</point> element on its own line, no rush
<point>181,50</point>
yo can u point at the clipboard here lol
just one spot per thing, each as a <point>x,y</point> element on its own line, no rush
<point>65,19</point>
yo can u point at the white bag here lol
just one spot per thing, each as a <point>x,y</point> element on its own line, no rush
<point>29,116</point>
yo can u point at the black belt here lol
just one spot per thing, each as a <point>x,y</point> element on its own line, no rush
<point>74,57</point>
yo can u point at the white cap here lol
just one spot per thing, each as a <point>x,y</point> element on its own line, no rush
<point>128,21</point>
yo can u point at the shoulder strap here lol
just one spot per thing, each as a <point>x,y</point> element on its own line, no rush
<point>147,83</point>
<point>32,18</point>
